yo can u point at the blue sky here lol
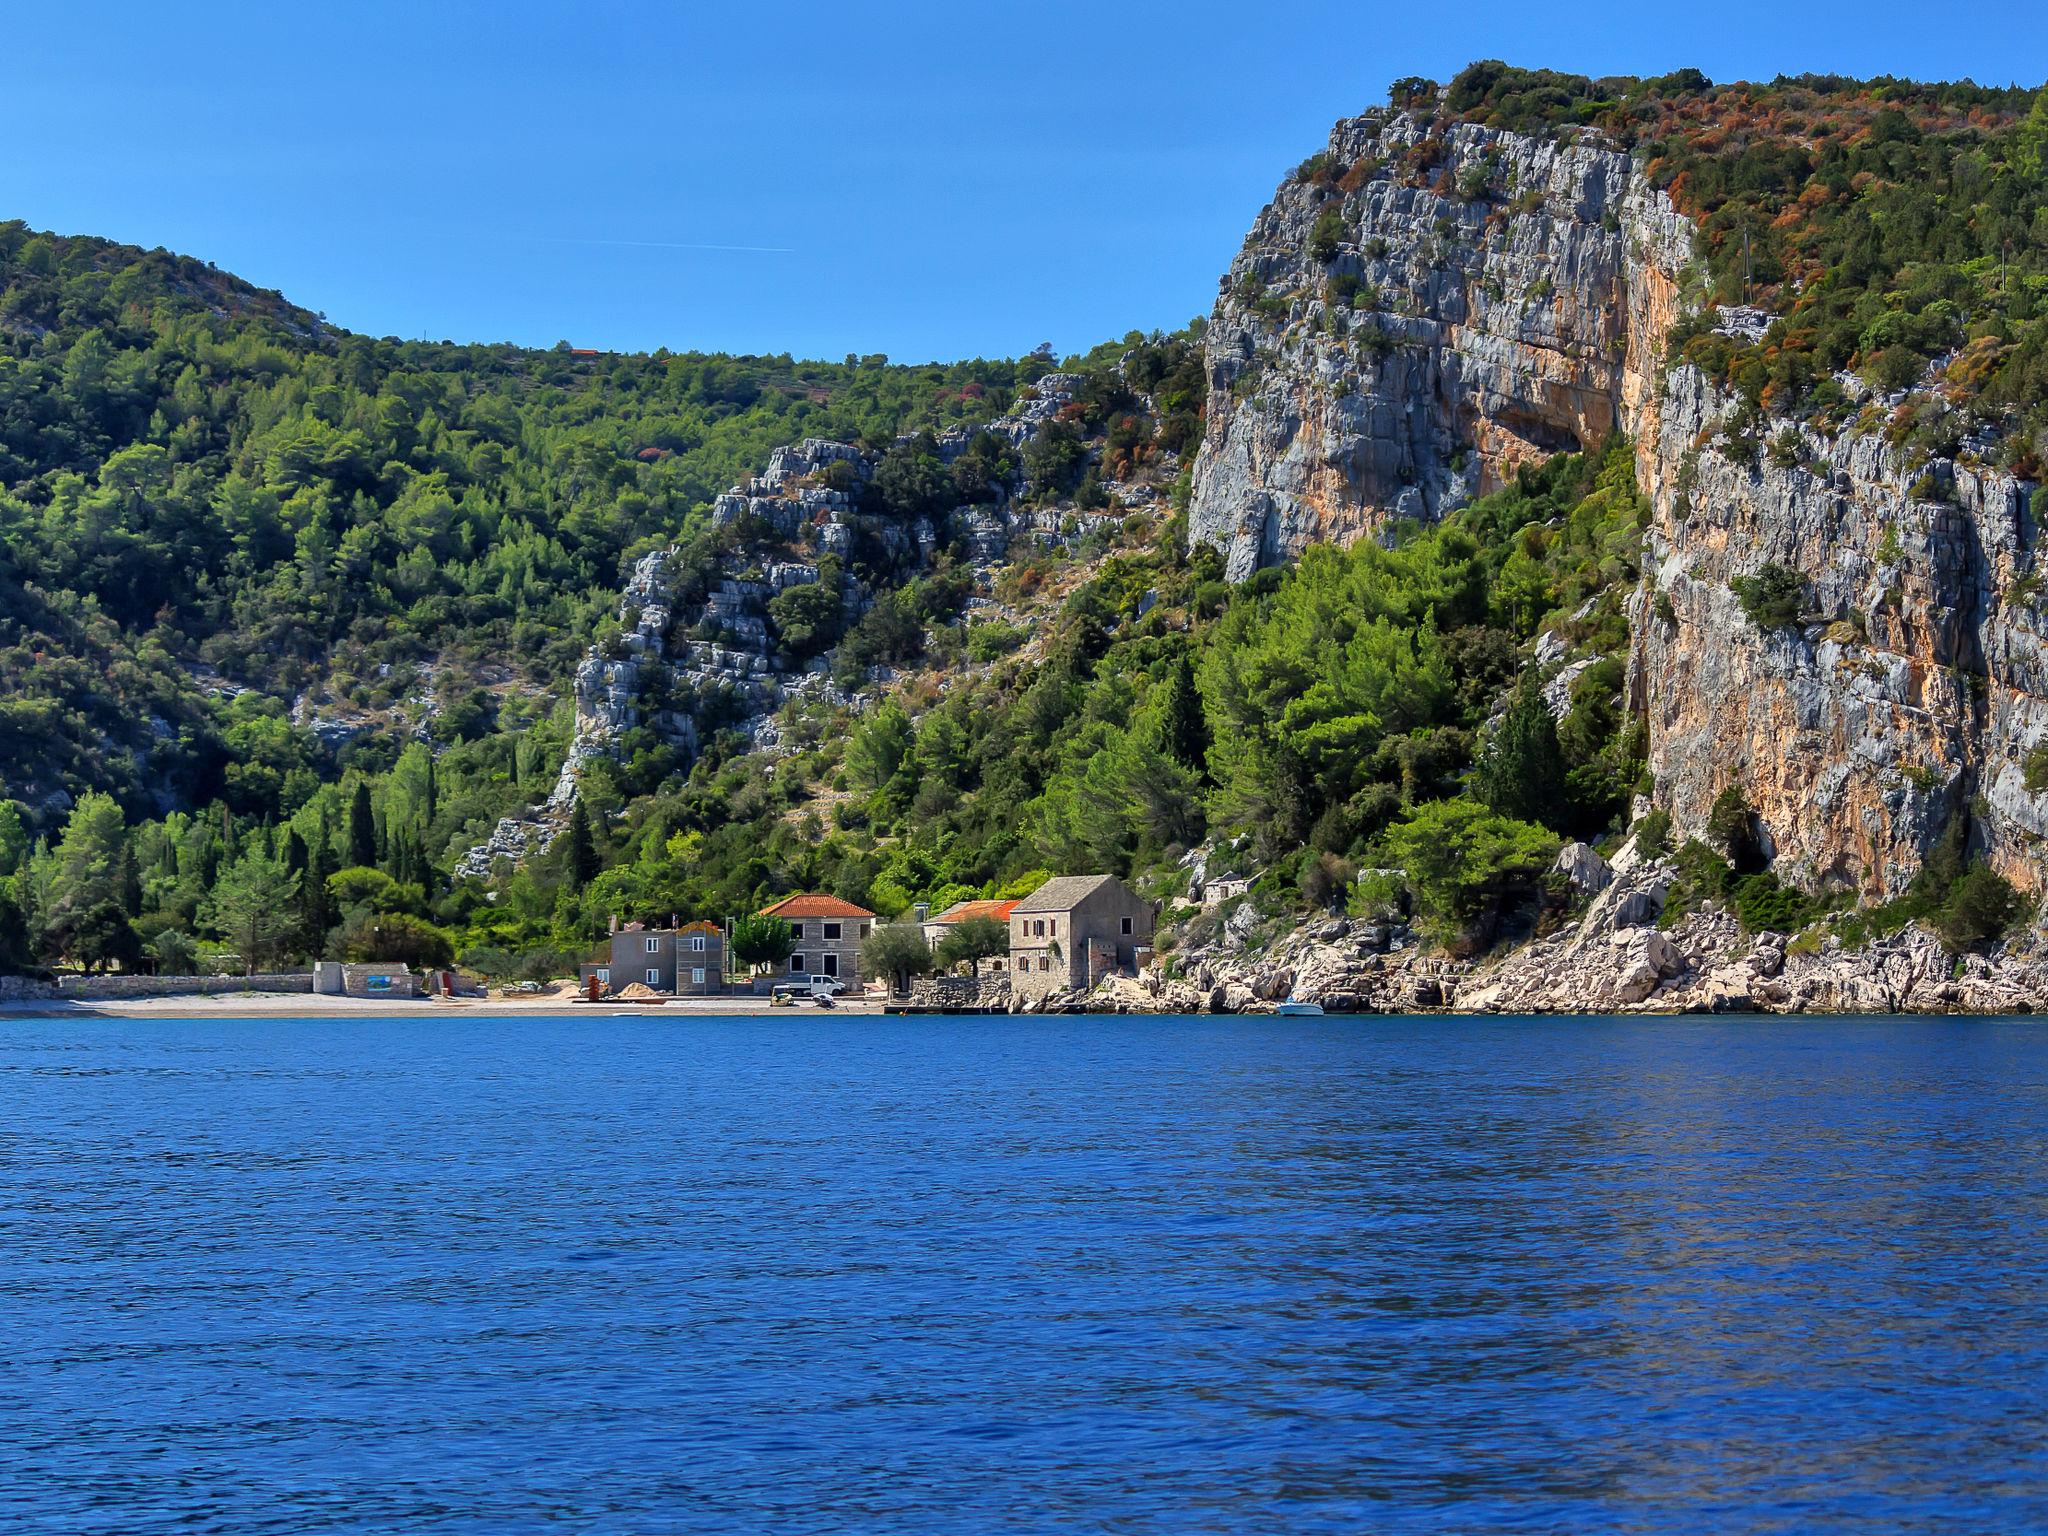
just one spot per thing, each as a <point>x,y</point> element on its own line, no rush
<point>921,179</point>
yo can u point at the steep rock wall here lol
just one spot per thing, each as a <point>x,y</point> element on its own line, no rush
<point>1509,293</point>
<point>1913,684</point>
<point>1523,293</point>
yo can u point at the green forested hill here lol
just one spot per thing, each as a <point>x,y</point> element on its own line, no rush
<point>195,472</point>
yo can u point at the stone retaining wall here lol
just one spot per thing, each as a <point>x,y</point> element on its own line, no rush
<point>91,988</point>
<point>961,992</point>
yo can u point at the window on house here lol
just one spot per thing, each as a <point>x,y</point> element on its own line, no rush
<point>653,977</point>
<point>1127,925</point>
<point>1053,927</point>
<point>798,929</point>
<point>604,974</point>
<point>654,946</point>
<point>697,939</point>
<point>696,975</point>
<point>796,963</point>
<point>831,965</point>
<point>831,930</point>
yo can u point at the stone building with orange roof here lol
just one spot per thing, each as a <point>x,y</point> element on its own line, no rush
<point>828,936</point>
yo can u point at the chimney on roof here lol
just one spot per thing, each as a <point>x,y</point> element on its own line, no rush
<point>615,922</point>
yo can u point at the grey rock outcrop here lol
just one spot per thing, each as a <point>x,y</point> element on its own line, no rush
<point>1513,292</point>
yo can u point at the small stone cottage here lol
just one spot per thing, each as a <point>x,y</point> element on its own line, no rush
<point>828,936</point>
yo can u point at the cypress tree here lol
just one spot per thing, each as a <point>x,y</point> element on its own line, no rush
<point>1184,729</point>
<point>1522,772</point>
<point>316,907</point>
<point>362,830</point>
<point>128,881</point>
<point>582,866</point>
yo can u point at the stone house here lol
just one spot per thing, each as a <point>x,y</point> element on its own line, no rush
<point>828,935</point>
<point>1076,929</point>
<point>686,962</point>
<point>937,927</point>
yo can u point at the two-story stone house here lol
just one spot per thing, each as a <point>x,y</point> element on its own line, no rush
<point>1074,930</point>
<point>828,935</point>
<point>688,961</point>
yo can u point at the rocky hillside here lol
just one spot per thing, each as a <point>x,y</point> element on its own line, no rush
<point>1431,303</point>
<point>699,650</point>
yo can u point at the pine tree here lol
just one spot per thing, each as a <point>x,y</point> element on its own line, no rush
<point>362,830</point>
<point>1184,729</point>
<point>1522,772</point>
<point>582,866</point>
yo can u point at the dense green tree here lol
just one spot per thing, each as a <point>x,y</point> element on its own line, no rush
<point>362,829</point>
<point>971,941</point>
<point>250,907</point>
<point>1183,728</point>
<point>97,937</point>
<point>1465,865</point>
<point>580,860</point>
<point>760,941</point>
<point>895,952</point>
<point>1521,774</point>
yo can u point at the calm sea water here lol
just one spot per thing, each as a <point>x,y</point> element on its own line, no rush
<point>844,1274</point>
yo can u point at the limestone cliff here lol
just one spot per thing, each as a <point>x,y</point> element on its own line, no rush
<point>1913,682</point>
<point>1415,315</point>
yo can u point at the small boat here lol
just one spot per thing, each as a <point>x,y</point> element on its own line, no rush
<point>1294,1008</point>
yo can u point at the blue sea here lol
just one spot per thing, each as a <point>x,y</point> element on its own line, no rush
<point>848,1274</point>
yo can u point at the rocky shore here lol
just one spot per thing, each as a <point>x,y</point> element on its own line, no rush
<point>1612,956</point>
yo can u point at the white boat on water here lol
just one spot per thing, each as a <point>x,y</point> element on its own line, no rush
<point>1295,1008</point>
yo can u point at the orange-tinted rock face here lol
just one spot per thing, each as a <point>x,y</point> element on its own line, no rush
<point>1517,295</point>
<point>1912,686</point>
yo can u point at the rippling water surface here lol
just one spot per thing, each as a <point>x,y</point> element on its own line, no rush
<point>843,1274</point>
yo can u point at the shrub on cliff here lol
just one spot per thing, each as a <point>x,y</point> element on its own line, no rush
<point>1981,906</point>
<point>1327,235</point>
<point>1772,597</point>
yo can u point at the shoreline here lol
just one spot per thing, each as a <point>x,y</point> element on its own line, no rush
<point>285,1007</point>
<point>288,1005</point>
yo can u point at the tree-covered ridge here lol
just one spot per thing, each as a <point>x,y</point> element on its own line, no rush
<point>1140,715</point>
<point>1895,229</point>
<point>196,474</point>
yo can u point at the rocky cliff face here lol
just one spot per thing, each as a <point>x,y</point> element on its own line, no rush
<point>1415,317</point>
<point>1912,684</point>
<point>1509,297</point>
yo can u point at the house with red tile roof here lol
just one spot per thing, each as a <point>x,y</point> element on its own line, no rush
<point>828,935</point>
<point>940,924</point>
